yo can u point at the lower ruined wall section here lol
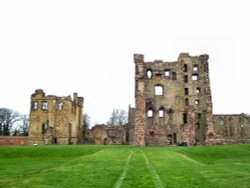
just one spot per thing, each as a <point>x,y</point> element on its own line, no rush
<point>234,128</point>
<point>104,134</point>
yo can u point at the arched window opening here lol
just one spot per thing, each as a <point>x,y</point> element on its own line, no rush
<point>149,73</point>
<point>158,90</point>
<point>161,113</point>
<point>150,113</point>
<point>198,90</point>
<point>195,68</point>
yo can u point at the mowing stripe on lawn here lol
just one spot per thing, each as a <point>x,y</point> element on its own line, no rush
<point>124,173</point>
<point>155,176</point>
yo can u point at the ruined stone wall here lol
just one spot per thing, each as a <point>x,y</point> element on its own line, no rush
<point>55,119</point>
<point>173,101</point>
<point>104,134</point>
<point>131,126</point>
<point>233,128</point>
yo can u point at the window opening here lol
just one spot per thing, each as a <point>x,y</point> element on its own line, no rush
<point>186,102</point>
<point>44,128</point>
<point>185,120</point>
<point>197,102</point>
<point>198,90</point>
<point>199,116</point>
<point>44,105</point>
<point>150,113</point>
<point>186,91</point>
<point>195,77</point>
<point>185,68</point>
<point>158,90</point>
<point>161,113</point>
<point>158,74</point>
<point>186,79</point>
<point>34,105</point>
<point>60,106</point>
<point>174,75</point>
<point>195,68</point>
<point>149,74</point>
<point>167,73</point>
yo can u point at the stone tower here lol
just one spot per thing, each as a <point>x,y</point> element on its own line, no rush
<point>55,119</point>
<point>173,101</point>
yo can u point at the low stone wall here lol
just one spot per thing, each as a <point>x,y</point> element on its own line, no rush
<point>13,140</point>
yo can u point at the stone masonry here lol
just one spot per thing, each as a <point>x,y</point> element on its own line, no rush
<point>172,101</point>
<point>55,119</point>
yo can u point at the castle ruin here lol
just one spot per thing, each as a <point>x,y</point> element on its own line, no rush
<point>55,119</point>
<point>173,106</point>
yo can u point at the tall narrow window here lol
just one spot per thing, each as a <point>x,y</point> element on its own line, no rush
<point>185,68</point>
<point>34,105</point>
<point>150,113</point>
<point>198,90</point>
<point>185,79</point>
<point>158,90</point>
<point>186,91</point>
<point>167,73</point>
<point>186,102</point>
<point>195,68</point>
<point>174,75</point>
<point>195,77</point>
<point>161,113</point>
<point>149,74</point>
<point>60,106</point>
<point>44,128</point>
<point>44,105</point>
<point>185,119</point>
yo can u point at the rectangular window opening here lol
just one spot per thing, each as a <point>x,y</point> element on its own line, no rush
<point>197,102</point>
<point>186,102</point>
<point>174,75</point>
<point>34,105</point>
<point>44,105</point>
<point>185,79</point>
<point>161,113</point>
<point>185,68</point>
<point>158,90</point>
<point>167,73</point>
<point>185,118</point>
<point>195,77</point>
<point>186,91</point>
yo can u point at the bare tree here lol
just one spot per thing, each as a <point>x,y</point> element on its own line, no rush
<point>8,118</point>
<point>23,126</point>
<point>118,117</point>
<point>86,120</point>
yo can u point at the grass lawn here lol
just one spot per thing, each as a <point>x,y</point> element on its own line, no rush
<point>125,166</point>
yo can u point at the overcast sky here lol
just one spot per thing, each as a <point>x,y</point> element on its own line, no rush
<point>87,47</point>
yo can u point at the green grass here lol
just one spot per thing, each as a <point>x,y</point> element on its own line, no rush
<point>125,166</point>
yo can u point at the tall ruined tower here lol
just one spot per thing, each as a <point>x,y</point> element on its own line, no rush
<point>173,101</point>
<point>55,119</point>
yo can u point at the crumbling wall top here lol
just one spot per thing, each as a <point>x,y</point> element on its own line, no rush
<point>138,58</point>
